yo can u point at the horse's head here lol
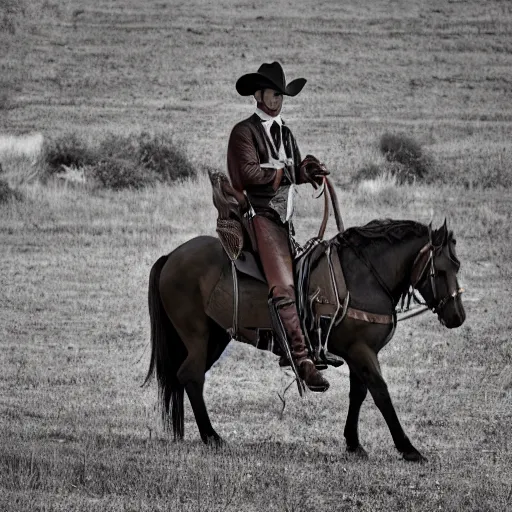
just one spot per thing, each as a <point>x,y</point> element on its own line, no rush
<point>437,279</point>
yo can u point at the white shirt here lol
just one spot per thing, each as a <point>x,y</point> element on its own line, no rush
<point>267,122</point>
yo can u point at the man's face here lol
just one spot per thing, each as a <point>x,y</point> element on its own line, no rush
<point>271,101</point>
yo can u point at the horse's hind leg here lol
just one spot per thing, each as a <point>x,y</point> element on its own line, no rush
<point>194,391</point>
<point>191,373</point>
<point>358,391</point>
<point>367,364</point>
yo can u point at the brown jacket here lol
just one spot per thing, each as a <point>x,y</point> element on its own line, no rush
<point>247,149</point>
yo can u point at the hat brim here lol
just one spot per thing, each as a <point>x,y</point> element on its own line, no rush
<point>252,82</point>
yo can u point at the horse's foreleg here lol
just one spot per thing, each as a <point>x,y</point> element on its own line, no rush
<point>358,391</point>
<point>380,394</point>
<point>369,370</point>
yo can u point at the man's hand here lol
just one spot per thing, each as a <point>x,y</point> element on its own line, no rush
<point>312,171</point>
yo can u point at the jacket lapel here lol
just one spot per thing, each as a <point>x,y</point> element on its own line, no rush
<point>267,144</point>
<point>287,142</point>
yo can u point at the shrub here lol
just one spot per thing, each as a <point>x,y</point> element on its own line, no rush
<point>129,158</point>
<point>117,174</point>
<point>7,193</point>
<point>124,147</point>
<point>159,154</point>
<point>68,150</point>
<point>408,154</point>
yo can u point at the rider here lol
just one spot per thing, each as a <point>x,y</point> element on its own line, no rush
<point>265,162</point>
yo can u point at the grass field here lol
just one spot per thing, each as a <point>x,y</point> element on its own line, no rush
<point>77,431</point>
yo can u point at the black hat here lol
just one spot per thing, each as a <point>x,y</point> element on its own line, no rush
<point>269,76</point>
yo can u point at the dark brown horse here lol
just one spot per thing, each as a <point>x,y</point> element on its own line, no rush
<point>379,260</point>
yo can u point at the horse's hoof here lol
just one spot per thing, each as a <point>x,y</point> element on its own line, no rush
<point>359,452</point>
<point>215,441</point>
<point>414,456</point>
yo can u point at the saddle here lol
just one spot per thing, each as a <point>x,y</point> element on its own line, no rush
<point>322,295</point>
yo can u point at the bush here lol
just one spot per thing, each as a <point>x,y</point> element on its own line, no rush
<point>117,174</point>
<point>68,151</point>
<point>7,193</point>
<point>404,161</point>
<point>124,147</point>
<point>407,155</point>
<point>156,153</point>
<point>159,154</point>
<point>120,161</point>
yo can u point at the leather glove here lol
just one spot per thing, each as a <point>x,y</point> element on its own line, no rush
<point>311,170</point>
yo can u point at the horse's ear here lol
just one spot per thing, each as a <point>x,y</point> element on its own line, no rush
<point>438,236</point>
<point>431,232</point>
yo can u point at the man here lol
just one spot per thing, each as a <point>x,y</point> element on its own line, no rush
<point>264,162</point>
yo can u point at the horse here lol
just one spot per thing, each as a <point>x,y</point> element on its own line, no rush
<point>380,261</point>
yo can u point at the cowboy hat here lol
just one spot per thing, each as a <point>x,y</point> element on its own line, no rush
<point>269,76</point>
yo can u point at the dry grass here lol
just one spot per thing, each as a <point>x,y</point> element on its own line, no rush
<point>78,433</point>
<point>23,145</point>
<point>19,157</point>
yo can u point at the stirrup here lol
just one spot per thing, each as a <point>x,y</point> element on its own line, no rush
<point>319,365</point>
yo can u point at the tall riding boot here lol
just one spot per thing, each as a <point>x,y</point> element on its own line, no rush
<point>287,311</point>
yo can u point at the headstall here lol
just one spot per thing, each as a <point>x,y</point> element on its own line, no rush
<point>420,266</point>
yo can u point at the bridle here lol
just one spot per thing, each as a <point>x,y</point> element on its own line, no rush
<point>424,265</point>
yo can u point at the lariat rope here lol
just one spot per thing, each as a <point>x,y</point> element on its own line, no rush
<point>327,189</point>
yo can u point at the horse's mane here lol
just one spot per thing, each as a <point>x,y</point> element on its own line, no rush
<point>388,230</point>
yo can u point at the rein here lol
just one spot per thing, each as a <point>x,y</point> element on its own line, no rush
<point>327,189</point>
<point>424,261</point>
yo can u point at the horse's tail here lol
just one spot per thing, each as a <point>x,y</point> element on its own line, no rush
<point>167,354</point>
